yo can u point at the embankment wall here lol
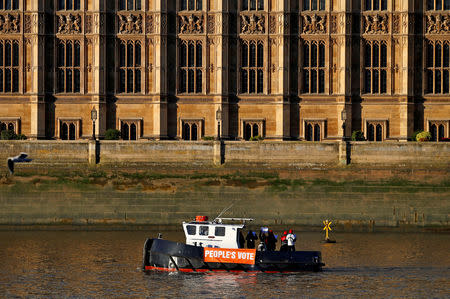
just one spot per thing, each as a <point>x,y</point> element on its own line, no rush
<point>231,152</point>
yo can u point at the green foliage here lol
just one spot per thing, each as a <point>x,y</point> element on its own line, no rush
<point>423,136</point>
<point>358,136</point>
<point>112,134</point>
<point>256,138</point>
<point>208,138</point>
<point>10,135</point>
<point>414,135</point>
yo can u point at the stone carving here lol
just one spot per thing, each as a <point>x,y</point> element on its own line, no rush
<point>69,24</point>
<point>9,24</point>
<point>333,24</point>
<point>27,24</point>
<point>272,24</point>
<point>211,24</point>
<point>314,24</point>
<point>395,24</point>
<point>438,23</point>
<point>252,24</point>
<point>191,24</point>
<point>88,24</point>
<point>374,24</point>
<point>130,24</point>
<point>149,24</point>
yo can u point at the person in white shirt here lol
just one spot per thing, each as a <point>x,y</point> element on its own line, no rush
<point>291,238</point>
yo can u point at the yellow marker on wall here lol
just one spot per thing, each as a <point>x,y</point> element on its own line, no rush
<point>327,228</point>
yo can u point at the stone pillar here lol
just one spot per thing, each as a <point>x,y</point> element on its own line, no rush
<point>160,70</point>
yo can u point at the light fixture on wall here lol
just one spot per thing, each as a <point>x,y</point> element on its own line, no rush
<point>343,118</point>
<point>93,118</point>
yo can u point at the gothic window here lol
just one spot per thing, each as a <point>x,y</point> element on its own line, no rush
<point>375,67</point>
<point>191,67</point>
<point>438,67</point>
<point>314,130</point>
<point>376,130</point>
<point>130,67</point>
<point>9,4</point>
<point>130,5</point>
<point>9,66</point>
<point>252,67</point>
<point>313,67</point>
<point>438,130</point>
<point>10,125</point>
<point>69,129</point>
<point>68,62</point>
<point>313,5</point>
<point>252,4</point>
<point>253,129</point>
<point>375,5</point>
<point>191,4</point>
<point>191,130</point>
<point>68,4</point>
<point>438,4</point>
<point>130,129</point>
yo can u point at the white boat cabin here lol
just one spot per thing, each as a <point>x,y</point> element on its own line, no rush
<point>216,234</point>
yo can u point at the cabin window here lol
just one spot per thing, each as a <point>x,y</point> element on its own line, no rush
<point>220,231</point>
<point>191,229</point>
<point>204,230</point>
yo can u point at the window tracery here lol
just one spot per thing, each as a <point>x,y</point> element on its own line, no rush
<point>9,4</point>
<point>68,64</point>
<point>191,5</point>
<point>191,66</point>
<point>314,67</point>
<point>252,4</point>
<point>130,5</point>
<point>130,66</point>
<point>437,67</point>
<point>375,67</point>
<point>252,66</point>
<point>9,66</point>
<point>312,5</point>
<point>68,4</point>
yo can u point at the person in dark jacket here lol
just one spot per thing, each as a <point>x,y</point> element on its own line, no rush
<point>284,245</point>
<point>251,238</point>
<point>271,241</point>
<point>241,240</point>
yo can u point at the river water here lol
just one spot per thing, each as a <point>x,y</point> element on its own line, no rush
<point>107,264</point>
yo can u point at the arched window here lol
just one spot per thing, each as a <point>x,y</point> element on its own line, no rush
<point>125,132</point>
<point>130,5</point>
<point>371,132</point>
<point>68,78</point>
<point>379,133</point>
<point>309,132</point>
<point>194,132</point>
<point>313,67</point>
<point>72,132</point>
<point>130,67</point>
<point>64,132</point>
<point>186,132</point>
<point>248,132</point>
<point>191,65</point>
<point>316,132</point>
<point>375,62</point>
<point>252,67</point>
<point>9,4</point>
<point>255,130</point>
<point>441,133</point>
<point>9,66</point>
<point>438,67</point>
<point>133,135</point>
<point>433,131</point>
<point>11,127</point>
<point>2,126</point>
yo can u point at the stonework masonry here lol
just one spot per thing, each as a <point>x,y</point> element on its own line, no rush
<point>179,69</point>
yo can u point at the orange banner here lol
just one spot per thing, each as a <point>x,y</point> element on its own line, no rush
<point>228,255</point>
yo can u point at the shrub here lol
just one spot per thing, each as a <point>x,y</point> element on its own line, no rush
<point>21,137</point>
<point>206,138</point>
<point>358,136</point>
<point>423,136</point>
<point>8,135</point>
<point>414,135</point>
<point>112,134</point>
<point>256,138</point>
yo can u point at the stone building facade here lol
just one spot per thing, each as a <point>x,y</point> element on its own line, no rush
<point>189,69</point>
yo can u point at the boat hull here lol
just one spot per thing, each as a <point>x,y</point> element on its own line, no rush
<point>166,255</point>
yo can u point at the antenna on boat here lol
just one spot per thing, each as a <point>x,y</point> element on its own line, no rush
<point>223,211</point>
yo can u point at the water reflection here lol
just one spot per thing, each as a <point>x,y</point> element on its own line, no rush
<point>107,264</point>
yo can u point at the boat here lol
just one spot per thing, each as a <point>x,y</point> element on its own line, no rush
<point>214,246</point>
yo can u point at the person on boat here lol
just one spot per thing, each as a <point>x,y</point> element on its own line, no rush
<point>271,241</point>
<point>251,238</point>
<point>241,240</point>
<point>291,238</point>
<point>284,242</point>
